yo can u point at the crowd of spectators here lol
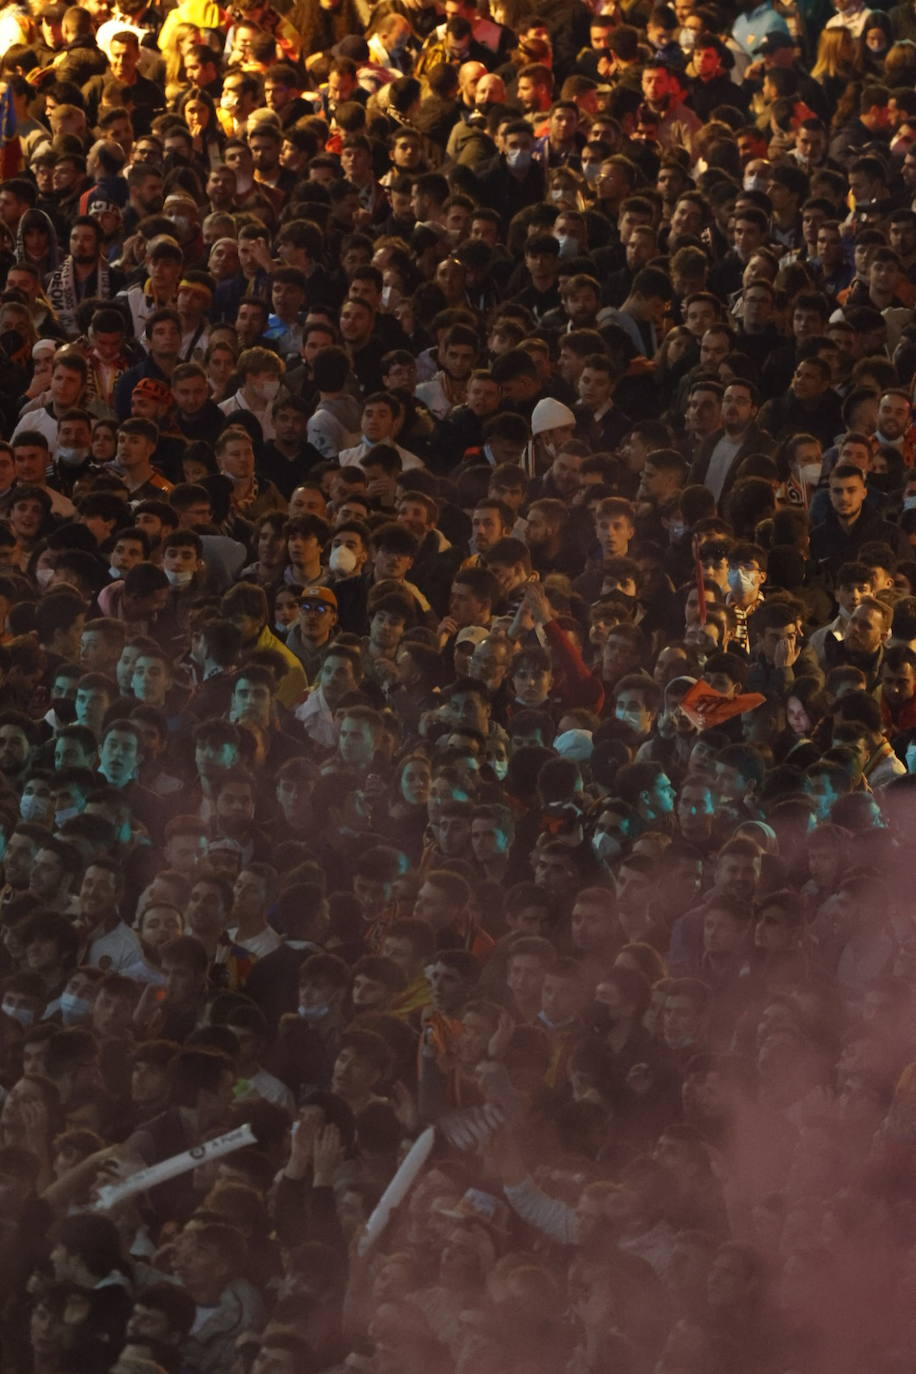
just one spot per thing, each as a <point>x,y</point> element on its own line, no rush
<point>458,686</point>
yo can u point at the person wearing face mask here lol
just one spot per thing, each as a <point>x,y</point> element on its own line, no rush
<point>22,996</point>
<point>74,449</point>
<point>747,565</point>
<point>514,179</point>
<point>260,375</point>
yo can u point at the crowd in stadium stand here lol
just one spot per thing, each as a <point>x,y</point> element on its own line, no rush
<point>457,687</point>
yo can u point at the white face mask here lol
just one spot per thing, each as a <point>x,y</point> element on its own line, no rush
<point>113,571</point>
<point>810,473</point>
<point>909,502</point>
<point>268,390</point>
<point>67,814</point>
<point>72,457</point>
<point>43,576</point>
<point>754,183</point>
<point>519,159</point>
<point>342,560</point>
<point>179,579</point>
<point>569,245</point>
<point>281,630</point>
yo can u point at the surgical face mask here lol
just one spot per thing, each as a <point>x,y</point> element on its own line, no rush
<point>74,1009</point>
<point>909,502</point>
<point>547,1021</point>
<point>20,1014</point>
<point>742,584</point>
<point>269,389</point>
<point>113,571</point>
<point>314,1013</point>
<point>43,576</point>
<point>281,630</point>
<point>569,245</point>
<point>66,814</point>
<point>754,183</point>
<point>911,758</point>
<point>72,457</point>
<point>32,808</point>
<point>677,531</point>
<point>591,171</point>
<point>606,847</point>
<point>499,768</point>
<point>342,560</point>
<point>810,473</point>
<point>179,579</point>
<point>519,159</point>
<point>386,297</point>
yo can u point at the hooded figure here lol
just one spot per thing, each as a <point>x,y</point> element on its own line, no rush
<point>552,423</point>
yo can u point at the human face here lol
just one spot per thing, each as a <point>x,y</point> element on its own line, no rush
<point>236,460</point>
<point>695,809</point>
<point>123,59</point>
<point>206,914</point>
<point>159,925</point>
<point>847,495</point>
<point>893,416</point>
<point>356,742</point>
<point>614,534</point>
<point>252,701</point>
<point>378,422</point>
<point>98,894</point>
<point>355,323</point>
<point>865,630</point>
<point>808,382</point>
<point>703,413</point>
<point>119,756</point>
<point>151,680</point>
<point>354,1075</point>
<point>737,875</point>
<point>747,238</point>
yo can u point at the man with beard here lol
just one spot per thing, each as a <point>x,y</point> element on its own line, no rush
<point>736,877</point>
<point>82,275</point>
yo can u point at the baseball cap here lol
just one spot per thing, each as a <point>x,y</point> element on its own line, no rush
<point>151,389</point>
<point>774,41</point>
<point>471,634</point>
<point>321,594</point>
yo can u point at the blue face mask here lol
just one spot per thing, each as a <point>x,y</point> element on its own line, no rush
<point>314,1013</point>
<point>73,1009</point>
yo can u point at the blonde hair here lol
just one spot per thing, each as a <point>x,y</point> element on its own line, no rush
<point>830,60</point>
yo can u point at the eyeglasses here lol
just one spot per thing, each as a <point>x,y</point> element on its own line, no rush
<point>318,607</point>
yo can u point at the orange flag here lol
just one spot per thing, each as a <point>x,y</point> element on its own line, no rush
<point>706,708</point>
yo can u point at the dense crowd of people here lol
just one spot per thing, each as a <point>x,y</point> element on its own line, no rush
<point>458,710</point>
